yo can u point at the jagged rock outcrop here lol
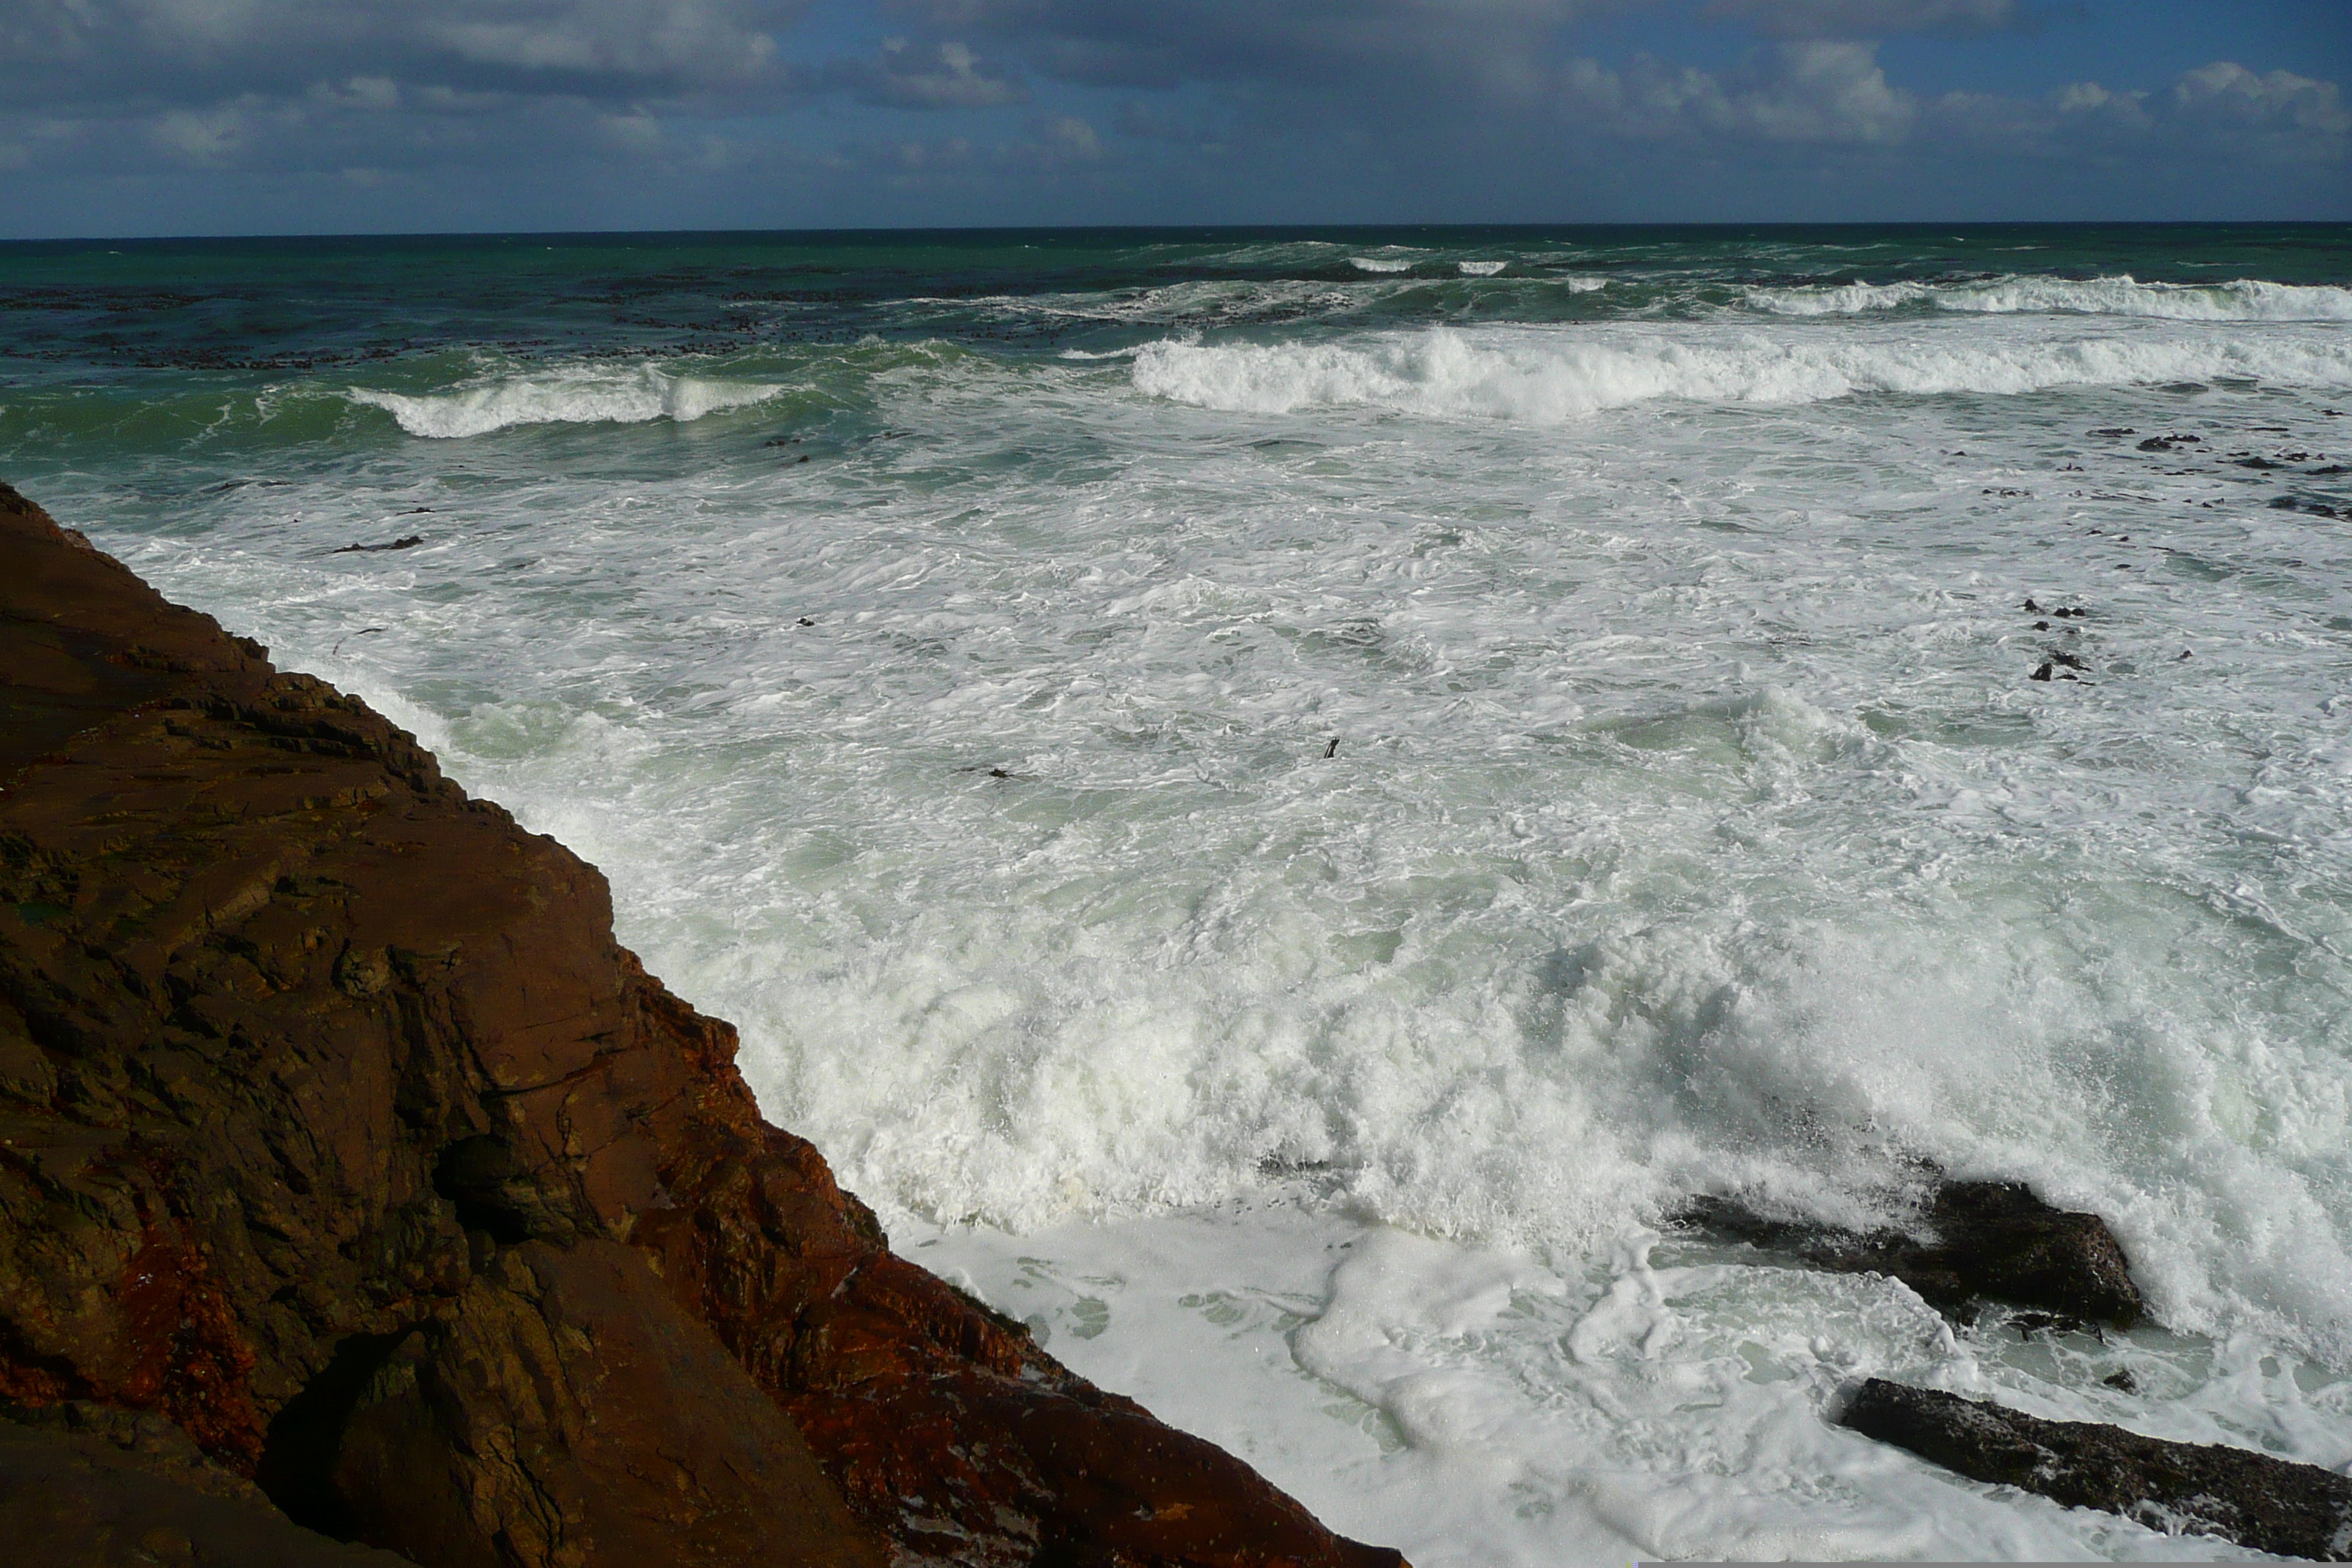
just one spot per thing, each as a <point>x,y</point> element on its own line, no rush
<point>336,1130</point>
<point>2270,1504</point>
<point>1974,1241</point>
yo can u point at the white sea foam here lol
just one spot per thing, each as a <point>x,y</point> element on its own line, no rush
<point>1481,269</point>
<point>590,395</point>
<point>1545,376</point>
<point>1380,263</point>
<point>1694,825</point>
<point>2246,300</point>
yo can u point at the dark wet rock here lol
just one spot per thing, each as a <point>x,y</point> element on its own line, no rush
<point>2270,1504</point>
<point>2115,430</point>
<point>2256,463</point>
<point>1972,1242</point>
<point>409,543</point>
<point>2041,672</point>
<point>2042,626</point>
<point>2305,505</point>
<point>2071,661</point>
<point>2167,443</point>
<point>2030,608</point>
<point>2122,1381</point>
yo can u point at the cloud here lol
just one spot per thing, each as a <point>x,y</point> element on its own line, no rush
<point>2216,111</point>
<point>1868,19</point>
<point>941,76</point>
<point>2226,93</point>
<point>1307,44</point>
<point>202,137</point>
<point>1350,107</point>
<point>1810,93</point>
<point>184,51</point>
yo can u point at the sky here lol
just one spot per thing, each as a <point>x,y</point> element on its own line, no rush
<point>187,117</point>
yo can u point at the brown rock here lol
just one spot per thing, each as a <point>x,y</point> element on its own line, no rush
<point>2270,1504</point>
<point>564,1412</point>
<point>78,1499</point>
<point>325,1095</point>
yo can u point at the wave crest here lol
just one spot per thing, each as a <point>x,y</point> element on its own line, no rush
<point>583,395</point>
<point>2243,300</point>
<point>1534,376</point>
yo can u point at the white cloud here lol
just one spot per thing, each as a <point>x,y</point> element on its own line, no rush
<point>376,92</point>
<point>2229,92</point>
<point>943,76</point>
<point>203,136</point>
<point>636,132</point>
<point>1810,93</point>
<point>1071,138</point>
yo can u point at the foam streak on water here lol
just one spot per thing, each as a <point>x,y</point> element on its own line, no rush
<point>1278,824</point>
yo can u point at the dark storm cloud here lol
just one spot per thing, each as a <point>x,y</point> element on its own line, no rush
<point>1311,45</point>
<point>1868,19</point>
<point>81,50</point>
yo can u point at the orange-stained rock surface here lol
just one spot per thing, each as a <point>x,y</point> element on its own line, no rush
<point>336,1128</point>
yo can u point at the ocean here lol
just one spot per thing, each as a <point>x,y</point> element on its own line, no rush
<point>1278,801</point>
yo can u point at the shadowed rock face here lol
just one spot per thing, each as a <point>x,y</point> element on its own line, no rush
<point>2272,1505</point>
<point>336,1130</point>
<point>76,1498</point>
<point>1980,1241</point>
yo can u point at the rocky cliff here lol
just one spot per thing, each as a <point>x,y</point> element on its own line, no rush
<point>342,1145</point>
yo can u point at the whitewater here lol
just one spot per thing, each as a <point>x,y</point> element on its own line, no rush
<point>1277,807</point>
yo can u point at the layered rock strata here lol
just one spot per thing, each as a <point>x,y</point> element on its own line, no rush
<point>336,1132</point>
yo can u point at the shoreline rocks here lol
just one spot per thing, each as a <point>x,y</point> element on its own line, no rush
<point>337,1131</point>
<point>1974,1241</point>
<point>2270,1504</point>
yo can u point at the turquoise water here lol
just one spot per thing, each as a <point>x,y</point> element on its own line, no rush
<point>1275,800</point>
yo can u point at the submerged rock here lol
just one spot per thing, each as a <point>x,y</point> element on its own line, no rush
<point>1974,1241</point>
<point>2269,1504</point>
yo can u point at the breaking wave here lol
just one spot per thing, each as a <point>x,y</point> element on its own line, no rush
<point>1534,376</point>
<point>2245,300</point>
<point>581,396</point>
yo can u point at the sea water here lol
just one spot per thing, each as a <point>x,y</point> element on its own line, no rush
<point>1277,802</point>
